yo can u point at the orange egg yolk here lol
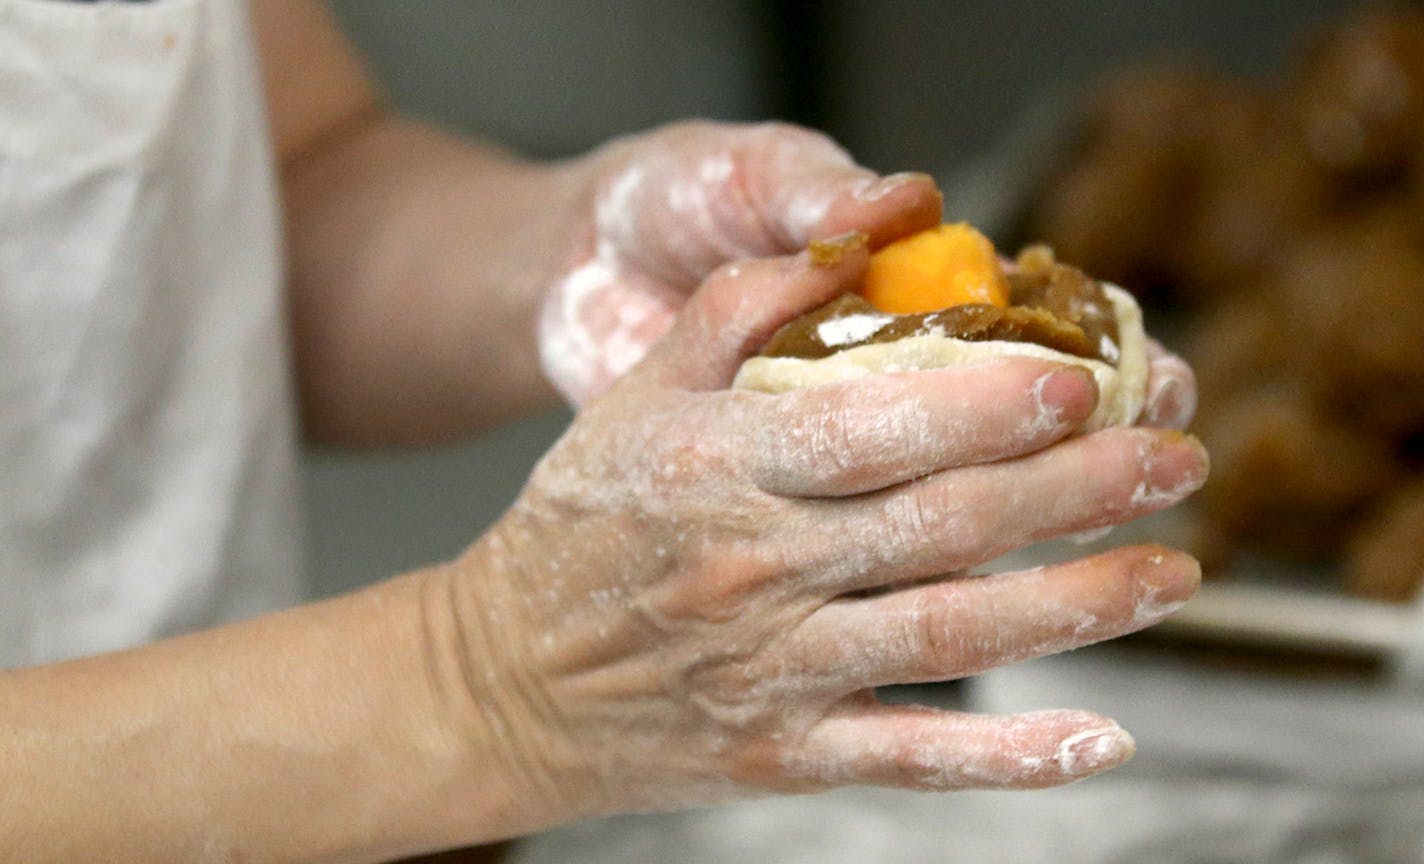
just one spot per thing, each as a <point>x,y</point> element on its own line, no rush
<point>941,267</point>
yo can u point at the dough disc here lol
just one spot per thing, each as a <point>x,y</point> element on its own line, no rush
<point>1121,389</point>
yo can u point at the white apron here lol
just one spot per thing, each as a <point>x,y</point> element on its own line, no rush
<point>146,421</point>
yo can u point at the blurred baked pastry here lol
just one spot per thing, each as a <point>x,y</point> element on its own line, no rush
<point>1283,223</point>
<point>1385,555</point>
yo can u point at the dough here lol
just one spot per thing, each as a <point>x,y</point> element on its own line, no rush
<point>1122,389</point>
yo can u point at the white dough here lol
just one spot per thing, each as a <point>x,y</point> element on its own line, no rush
<point>1121,388</point>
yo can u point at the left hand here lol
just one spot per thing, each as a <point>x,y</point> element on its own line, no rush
<point>671,206</point>
<point>698,589</point>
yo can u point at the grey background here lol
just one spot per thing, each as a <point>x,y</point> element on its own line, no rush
<point>925,85</point>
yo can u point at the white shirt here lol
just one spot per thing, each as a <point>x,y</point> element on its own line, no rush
<point>146,420</point>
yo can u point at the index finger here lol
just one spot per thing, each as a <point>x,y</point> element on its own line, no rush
<point>741,304</point>
<point>882,430</point>
<point>805,187</point>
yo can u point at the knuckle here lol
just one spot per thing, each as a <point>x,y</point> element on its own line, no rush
<point>936,642</point>
<point>796,136</point>
<point>927,514</point>
<point>761,762</point>
<point>683,462</point>
<point>1097,482</point>
<point>911,521</point>
<point>724,585</point>
<point>809,443</point>
<point>915,764</point>
<point>978,631</point>
<point>729,685</point>
<point>686,458</point>
<point>831,441</point>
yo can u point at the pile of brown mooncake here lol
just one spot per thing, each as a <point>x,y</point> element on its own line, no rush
<point>1281,224</point>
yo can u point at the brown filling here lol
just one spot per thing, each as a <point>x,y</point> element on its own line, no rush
<point>1050,304</point>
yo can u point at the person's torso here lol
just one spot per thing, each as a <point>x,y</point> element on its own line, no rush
<point>146,424</point>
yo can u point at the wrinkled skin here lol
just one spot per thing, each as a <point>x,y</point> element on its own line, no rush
<point>696,592</point>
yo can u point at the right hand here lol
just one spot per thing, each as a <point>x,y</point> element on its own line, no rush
<point>670,206</point>
<point>698,589</point>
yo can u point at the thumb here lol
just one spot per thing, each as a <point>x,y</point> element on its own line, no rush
<point>680,202</point>
<point>740,306</point>
<point>805,187</point>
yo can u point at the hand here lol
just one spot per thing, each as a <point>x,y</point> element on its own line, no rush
<point>670,207</point>
<point>698,589</point>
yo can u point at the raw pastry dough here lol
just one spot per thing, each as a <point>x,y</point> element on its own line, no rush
<point>1121,388</point>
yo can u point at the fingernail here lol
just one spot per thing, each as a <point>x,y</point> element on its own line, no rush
<point>830,252</point>
<point>1069,388</point>
<point>885,185</point>
<point>1166,580</point>
<point>1094,751</point>
<point>1162,400</point>
<point>1177,466</point>
<point>1171,407</point>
